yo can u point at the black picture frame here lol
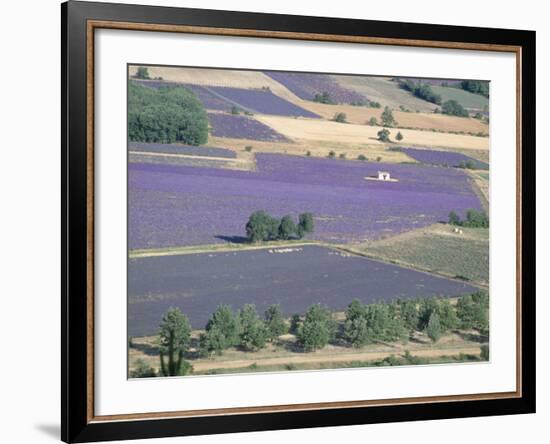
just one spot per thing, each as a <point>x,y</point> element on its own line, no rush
<point>76,423</point>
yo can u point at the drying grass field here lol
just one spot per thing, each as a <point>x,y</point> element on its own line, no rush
<point>316,148</point>
<point>285,354</point>
<point>465,98</point>
<point>322,130</point>
<point>438,250</point>
<point>360,115</point>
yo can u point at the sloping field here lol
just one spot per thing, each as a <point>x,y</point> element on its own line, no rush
<point>295,279</point>
<point>384,91</point>
<point>172,206</point>
<point>307,85</point>
<point>260,101</point>
<point>346,133</point>
<point>220,77</point>
<point>360,115</point>
<point>177,148</point>
<point>242,127</point>
<point>438,249</point>
<point>443,158</point>
<point>465,98</point>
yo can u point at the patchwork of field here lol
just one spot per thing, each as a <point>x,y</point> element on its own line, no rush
<point>242,127</point>
<point>439,250</point>
<point>298,277</point>
<point>172,206</point>
<point>322,130</point>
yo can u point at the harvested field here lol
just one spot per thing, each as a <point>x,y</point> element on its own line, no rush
<point>295,278</point>
<point>437,249</point>
<point>308,129</point>
<point>360,115</point>
<point>173,206</point>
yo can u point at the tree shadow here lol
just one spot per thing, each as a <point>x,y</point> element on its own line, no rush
<point>472,337</point>
<point>232,239</point>
<point>147,349</point>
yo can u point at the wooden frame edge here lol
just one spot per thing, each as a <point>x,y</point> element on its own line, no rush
<point>92,25</point>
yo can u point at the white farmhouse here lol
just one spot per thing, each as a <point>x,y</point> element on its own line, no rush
<point>383,175</point>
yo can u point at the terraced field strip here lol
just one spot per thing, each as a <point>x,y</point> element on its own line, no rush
<point>189,156</point>
<point>204,365</point>
<point>315,130</point>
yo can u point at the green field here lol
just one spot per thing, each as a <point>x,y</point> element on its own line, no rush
<point>465,98</point>
<point>437,249</point>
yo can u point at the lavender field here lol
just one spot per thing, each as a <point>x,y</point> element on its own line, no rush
<point>306,86</point>
<point>261,102</point>
<point>178,205</point>
<point>177,148</point>
<point>242,127</point>
<point>297,279</point>
<point>443,158</point>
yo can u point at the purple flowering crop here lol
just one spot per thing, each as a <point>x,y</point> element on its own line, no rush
<point>179,205</point>
<point>443,158</point>
<point>242,127</point>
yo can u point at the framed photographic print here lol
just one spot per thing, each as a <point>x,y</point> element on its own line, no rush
<point>276,221</point>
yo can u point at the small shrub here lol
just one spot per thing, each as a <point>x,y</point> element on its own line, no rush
<point>399,136</point>
<point>340,118</point>
<point>248,148</point>
<point>383,135</point>
<point>362,157</point>
<point>331,155</point>
<point>372,121</point>
<point>342,155</point>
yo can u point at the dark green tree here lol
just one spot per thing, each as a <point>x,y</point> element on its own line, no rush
<point>305,224</point>
<point>274,322</point>
<point>317,329</point>
<point>142,73</point>
<point>253,332</point>
<point>484,352</point>
<point>340,118</point>
<point>262,227</point>
<point>165,115</point>
<point>387,117</point>
<point>453,108</point>
<point>399,137</point>
<point>143,370</point>
<point>372,121</point>
<point>409,314</point>
<point>175,335</point>
<point>222,331</point>
<point>383,135</point>
<point>287,228</point>
<point>434,329</point>
<point>355,326</point>
<point>472,312</point>
<point>454,219</point>
<point>295,322</point>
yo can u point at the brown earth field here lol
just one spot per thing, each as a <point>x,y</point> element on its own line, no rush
<point>333,132</point>
<point>281,354</point>
<point>360,115</point>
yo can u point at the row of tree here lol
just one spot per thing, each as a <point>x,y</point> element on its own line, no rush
<point>363,324</point>
<point>474,219</point>
<point>263,227</point>
<point>421,90</point>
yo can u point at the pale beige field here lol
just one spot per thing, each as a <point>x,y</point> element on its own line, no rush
<point>360,115</point>
<point>312,129</point>
<point>317,148</point>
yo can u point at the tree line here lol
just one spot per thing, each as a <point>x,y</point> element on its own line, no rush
<point>263,227</point>
<point>316,328</point>
<point>474,219</point>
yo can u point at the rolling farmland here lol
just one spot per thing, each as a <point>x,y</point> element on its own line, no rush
<point>298,278</point>
<point>242,127</point>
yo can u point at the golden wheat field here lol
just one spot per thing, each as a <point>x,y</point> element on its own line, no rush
<point>312,129</point>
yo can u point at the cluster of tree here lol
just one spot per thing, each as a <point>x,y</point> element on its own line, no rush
<point>474,219</point>
<point>367,103</point>
<point>476,86</point>
<point>397,320</point>
<point>467,164</point>
<point>421,90</point>
<point>324,97</point>
<point>166,115</point>
<point>363,324</point>
<point>243,329</point>
<point>263,227</point>
<point>142,73</point>
<point>453,108</point>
